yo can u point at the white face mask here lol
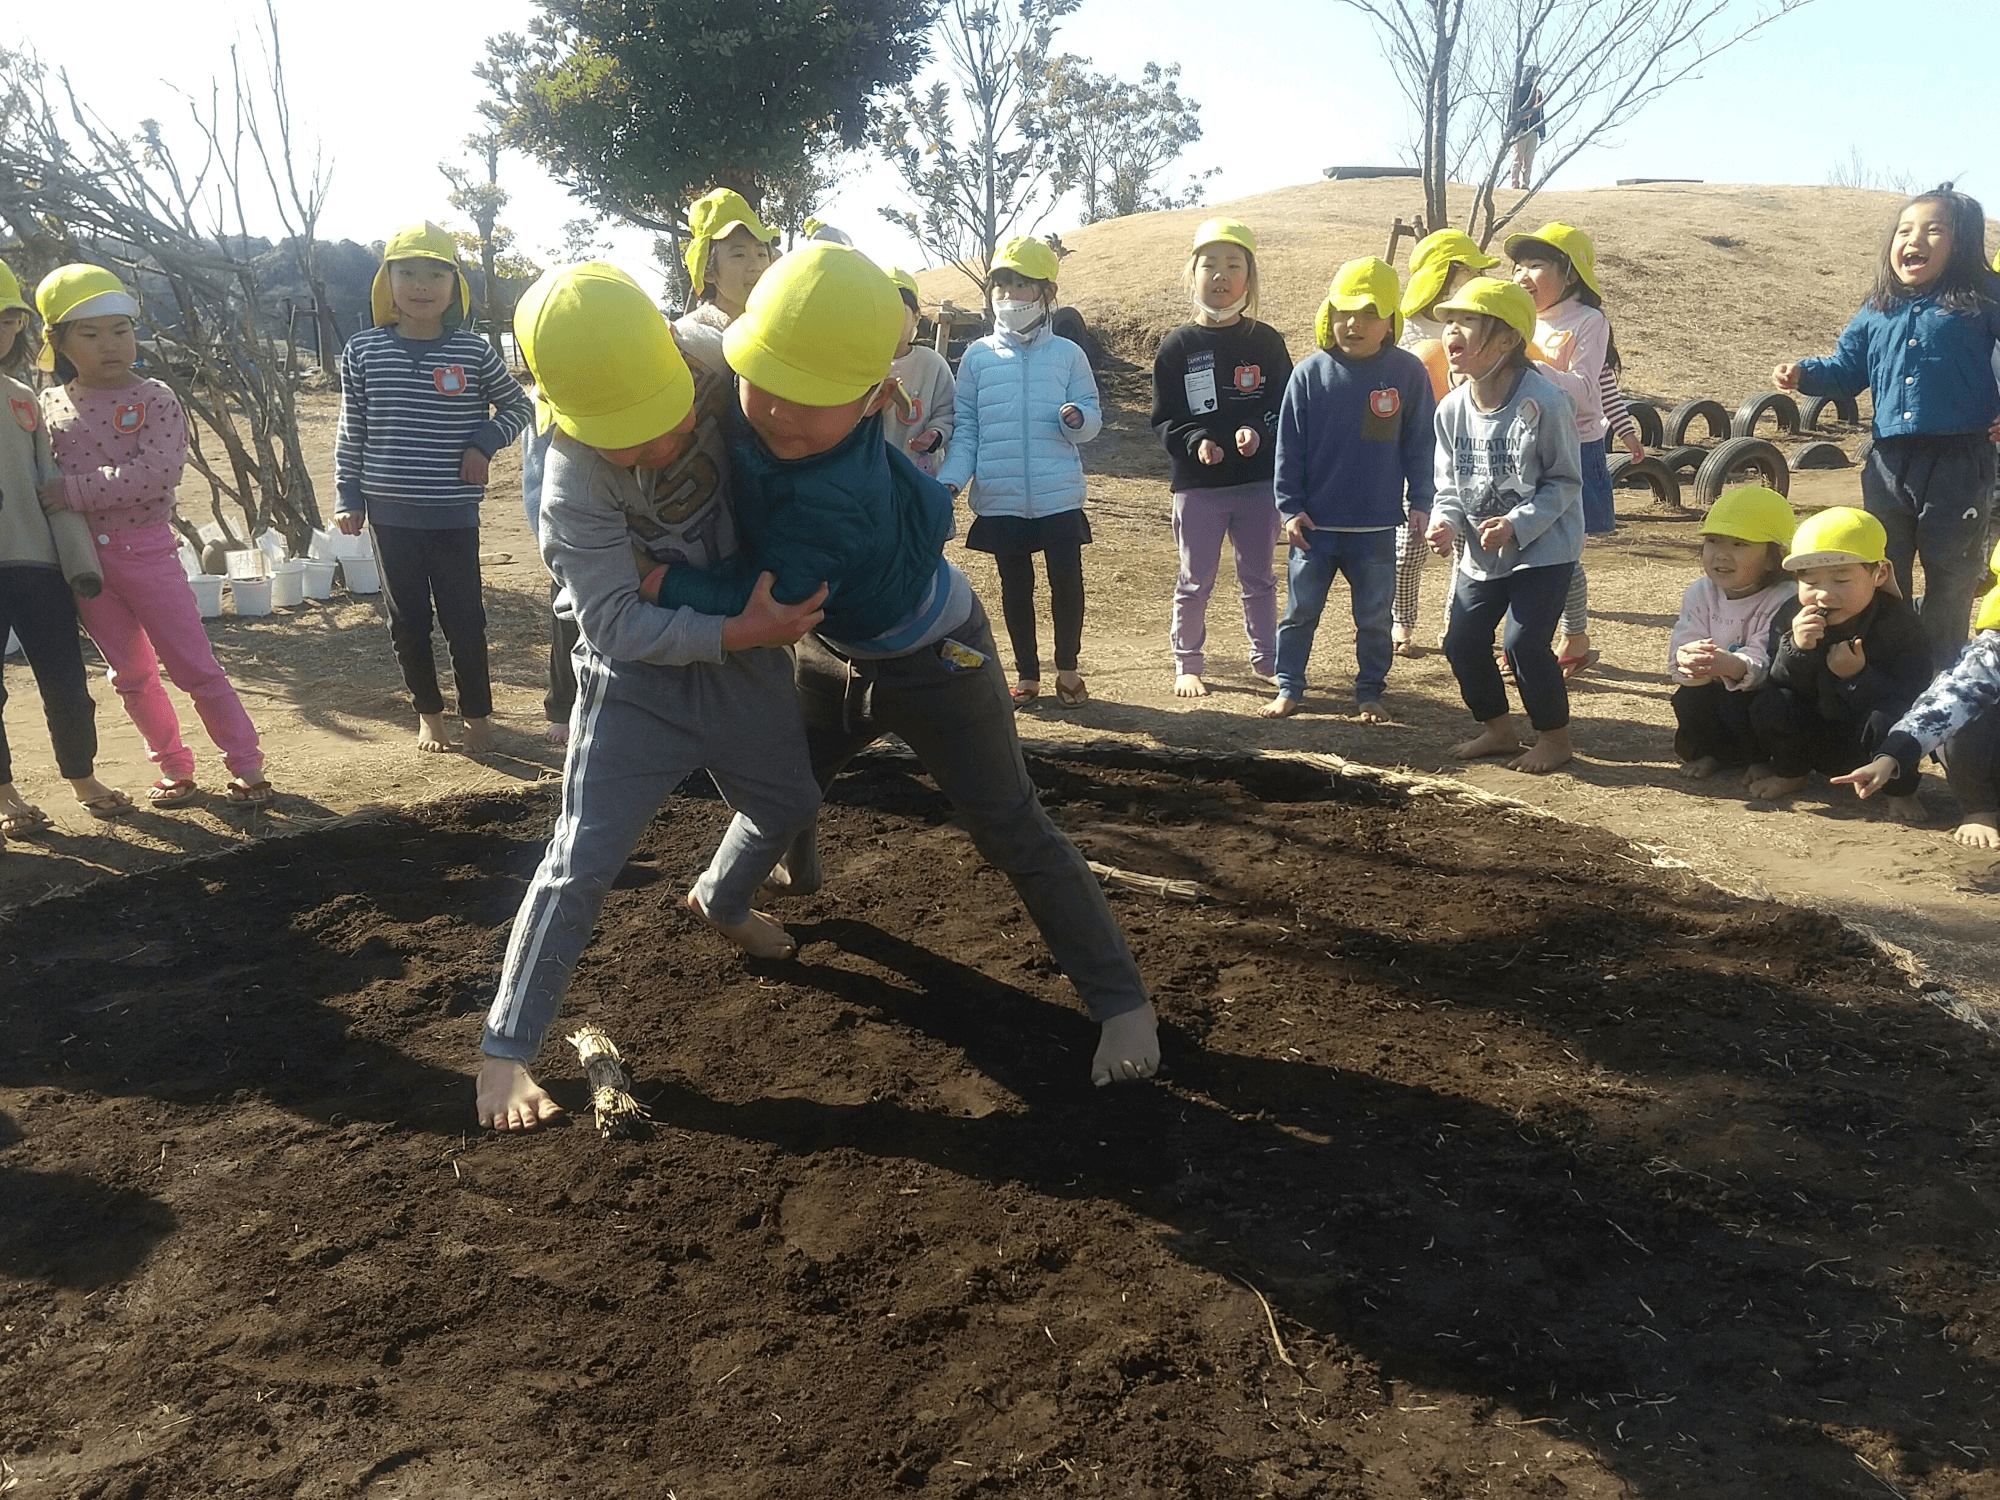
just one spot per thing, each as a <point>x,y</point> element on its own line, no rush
<point>1221,314</point>
<point>1019,317</point>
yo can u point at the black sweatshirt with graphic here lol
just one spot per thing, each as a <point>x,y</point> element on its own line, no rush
<point>1207,382</point>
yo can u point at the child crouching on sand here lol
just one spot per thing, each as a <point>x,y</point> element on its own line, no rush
<point>1720,650</point>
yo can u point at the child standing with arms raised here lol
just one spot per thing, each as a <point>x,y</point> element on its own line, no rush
<point>1217,383</point>
<point>411,460</point>
<point>1026,402</point>
<point>1924,342</point>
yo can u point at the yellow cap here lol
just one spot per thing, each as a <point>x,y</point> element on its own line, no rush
<point>79,291</point>
<point>905,281</point>
<point>715,216</point>
<point>1838,534</point>
<point>1431,260</point>
<point>1571,241</point>
<point>1493,298</point>
<point>1225,232</point>
<point>1368,282</point>
<point>609,372</point>
<point>820,327</point>
<point>423,241</point>
<point>1751,514</point>
<point>1028,257</point>
<point>1987,616</point>
<point>10,290</point>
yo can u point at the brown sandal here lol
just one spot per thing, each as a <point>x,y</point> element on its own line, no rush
<point>1072,697</point>
<point>257,792</point>
<point>166,793</point>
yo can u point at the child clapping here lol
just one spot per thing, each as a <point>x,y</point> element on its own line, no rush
<point>1720,652</point>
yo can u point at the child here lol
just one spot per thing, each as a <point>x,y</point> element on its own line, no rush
<point>1848,658</point>
<point>1558,266</point>
<point>904,648</point>
<point>43,558</point>
<point>1510,482</point>
<point>1958,712</point>
<point>662,692</point>
<point>121,443</point>
<point>1720,651</point>
<point>728,248</point>
<point>921,421</point>
<point>411,459</point>
<point>1217,383</point>
<point>1924,342</point>
<point>1440,264</point>
<point>1026,401</point>
<point>1355,431</point>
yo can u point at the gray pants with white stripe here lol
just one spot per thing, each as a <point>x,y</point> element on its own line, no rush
<point>636,733</point>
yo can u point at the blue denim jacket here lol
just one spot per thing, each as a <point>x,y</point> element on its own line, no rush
<point>1931,371</point>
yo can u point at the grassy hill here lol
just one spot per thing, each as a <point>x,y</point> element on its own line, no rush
<point>1707,286</point>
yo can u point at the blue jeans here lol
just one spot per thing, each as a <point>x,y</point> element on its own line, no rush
<point>1600,514</point>
<point>1531,599</point>
<point>1367,560</point>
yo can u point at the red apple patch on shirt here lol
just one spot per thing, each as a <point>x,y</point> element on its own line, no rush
<point>1249,379</point>
<point>1385,404</point>
<point>449,379</point>
<point>27,416</point>
<point>129,419</point>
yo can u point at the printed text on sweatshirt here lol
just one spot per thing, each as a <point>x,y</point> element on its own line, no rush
<point>1209,382</point>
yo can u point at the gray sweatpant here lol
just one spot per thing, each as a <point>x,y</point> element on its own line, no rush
<point>636,733</point>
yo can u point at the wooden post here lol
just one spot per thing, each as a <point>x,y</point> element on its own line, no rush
<point>1396,233</point>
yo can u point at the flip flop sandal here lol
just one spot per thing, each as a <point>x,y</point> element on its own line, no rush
<point>110,805</point>
<point>165,793</point>
<point>1072,697</point>
<point>1572,665</point>
<point>1025,692</point>
<point>29,820</point>
<point>255,792</point>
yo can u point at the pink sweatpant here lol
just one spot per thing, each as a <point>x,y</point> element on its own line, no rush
<point>147,616</point>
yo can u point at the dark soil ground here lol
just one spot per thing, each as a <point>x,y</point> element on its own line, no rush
<point>1562,1175</point>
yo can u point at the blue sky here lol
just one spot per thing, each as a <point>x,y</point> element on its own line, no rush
<point>390,91</point>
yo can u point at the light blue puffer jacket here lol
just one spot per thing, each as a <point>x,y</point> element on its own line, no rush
<point>1009,435</point>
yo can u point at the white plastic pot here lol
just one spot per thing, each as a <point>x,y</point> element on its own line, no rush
<point>361,575</point>
<point>207,593</point>
<point>246,562</point>
<point>318,578</point>
<point>252,595</point>
<point>288,584</point>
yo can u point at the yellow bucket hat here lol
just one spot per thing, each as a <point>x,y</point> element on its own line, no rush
<point>1838,534</point>
<point>1030,258</point>
<point>1987,616</point>
<point>10,290</point>
<point>421,241</point>
<point>1431,260</point>
<point>79,291</point>
<point>905,282</point>
<point>1368,282</point>
<point>1751,514</point>
<point>715,216</point>
<point>1571,241</point>
<point>1224,232</point>
<point>820,328</point>
<point>608,370</point>
<point>1493,298</point>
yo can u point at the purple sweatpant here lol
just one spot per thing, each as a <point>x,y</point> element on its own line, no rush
<point>1248,515</point>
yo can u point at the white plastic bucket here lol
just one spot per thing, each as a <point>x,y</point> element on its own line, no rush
<point>288,584</point>
<point>246,563</point>
<point>345,546</point>
<point>207,594</point>
<point>252,595</point>
<point>317,578</point>
<point>361,575</point>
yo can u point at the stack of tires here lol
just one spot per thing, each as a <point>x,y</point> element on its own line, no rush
<point>1733,452</point>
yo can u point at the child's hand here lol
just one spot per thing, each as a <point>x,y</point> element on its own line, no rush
<point>766,622</point>
<point>349,522</point>
<point>1072,416</point>
<point>928,442</point>
<point>1209,451</point>
<point>1632,445</point>
<point>1696,659</point>
<point>1872,777</point>
<point>1808,628</point>
<point>1495,532</point>
<point>1846,658</point>
<point>54,497</point>
<point>1419,523</point>
<point>1440,536</point>
<point>1299,529</point>
<point>1248,441</point>
<point>474,469</point>
<point>1786,377</point>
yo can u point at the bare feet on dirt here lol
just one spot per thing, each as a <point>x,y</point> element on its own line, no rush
<point>1700,768</point>
<point>1771,787</point>
<point>1909,810</point>
<point>759,935</point>
<point>556,734</point>
<point>1189,685</point>
<point>1281,707</point>
<point>509,1097</point>
<point>1128,1047</point>
<point>478,735</point>
<point>1551,749</point>
<point>1374,713</point>
<point>432,737</point>
<point>1491,742</point>
<point>1978,831</point>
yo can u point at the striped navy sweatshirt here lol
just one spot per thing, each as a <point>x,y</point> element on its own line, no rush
<point>409,408</point>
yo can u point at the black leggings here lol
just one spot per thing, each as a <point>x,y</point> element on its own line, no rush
<point>1017,606</point>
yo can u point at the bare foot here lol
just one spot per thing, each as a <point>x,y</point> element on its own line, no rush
<point>1402,645</point>
<point>1774,788</point>
<point>760,936</point>
<point>1190,685</point>
<point>1700,768</point>
<point>431,736</point>
<point>1575,645</point>
<point>1128,1046</point>
<point>1908,809</point>
<point>1551,749</point>
<point>1269,679</point>
<point>1374,713</point>
<point>1978,831</point>
<point>1492,742</point>
<point>478,735</point>
<point>1280,707</point>
<point>556,734</point>
<point>1756,771</point>
<point>509,1098</point>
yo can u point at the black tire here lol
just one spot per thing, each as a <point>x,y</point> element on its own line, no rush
<point>1647,474</point>
<point>1647,415</point>
<point>1685,459</point>
<point>1844,407</point>
<point>1821,455</point>
<point>1770,403</point>
<point>1725,459</point>
<point>1682,417</point>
